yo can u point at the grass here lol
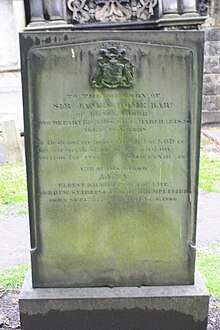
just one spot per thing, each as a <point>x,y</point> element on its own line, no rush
<point>209,175</point>
<point>13,278</point>
<point>22,210</point>
<point>208,264</point>
<point>13,186</point>
<point>13,191</point>
<point>3,210</point>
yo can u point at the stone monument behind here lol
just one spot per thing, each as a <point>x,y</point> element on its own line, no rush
<point>112,124</point>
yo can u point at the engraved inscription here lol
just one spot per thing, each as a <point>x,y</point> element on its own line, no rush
<point>131,113</point>
<point>111,161</point>
<point>114,69</point>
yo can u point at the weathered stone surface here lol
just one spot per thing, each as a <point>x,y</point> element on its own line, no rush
<point>217,102</point>
<point>210,89</point>
<point>112,130</point>
<point>212,65</point>
<point>211,117</point>
<point>123,14</point>
<point>161,308</point>
<point>213,79</point>
<point>210,102</point>
<point>211,76</point>
<point>212,34</point>
<point>212,48</point>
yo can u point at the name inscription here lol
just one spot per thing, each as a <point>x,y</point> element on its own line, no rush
<point>133,127</point>
<point>113,168</point>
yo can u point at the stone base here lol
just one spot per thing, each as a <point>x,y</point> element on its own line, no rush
<point>124,308</point>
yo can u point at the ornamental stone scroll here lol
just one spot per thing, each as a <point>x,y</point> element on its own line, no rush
<point>111,10</point>
<point>79,14</point>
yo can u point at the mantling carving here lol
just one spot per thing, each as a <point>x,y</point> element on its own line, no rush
<point>113,69</point>
<point>81,14</point>
<point>145,9</point>
<point>204,6</point>
<point>111,10</point>
<point>80,10</point>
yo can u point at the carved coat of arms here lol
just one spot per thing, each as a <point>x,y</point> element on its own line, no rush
<point>114,69</point>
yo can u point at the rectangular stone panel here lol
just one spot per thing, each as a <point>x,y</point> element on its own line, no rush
<point>112,124</point>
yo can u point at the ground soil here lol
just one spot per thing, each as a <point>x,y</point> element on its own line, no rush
<point>9,313</point>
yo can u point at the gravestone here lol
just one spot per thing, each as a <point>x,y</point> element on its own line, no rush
<point>112,144</point>
<point>112,123</point>
<point>111,149</point>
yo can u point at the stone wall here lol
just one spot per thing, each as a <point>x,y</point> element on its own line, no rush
<point>12,20</point>
<point>211,86</point>
<point>216,11</point>
<point>211,79</point>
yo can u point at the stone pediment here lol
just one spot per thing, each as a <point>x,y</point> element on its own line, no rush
<point>129,14</point>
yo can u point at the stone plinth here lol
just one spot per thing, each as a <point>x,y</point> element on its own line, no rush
<point>149,307</point>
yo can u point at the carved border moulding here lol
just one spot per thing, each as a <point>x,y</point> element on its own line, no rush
<point>84,11</point>
<point>113,70</point>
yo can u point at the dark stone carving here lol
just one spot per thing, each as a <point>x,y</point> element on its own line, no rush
<point>113,69</point>
<point>111,10</point>
<point>80,10</point>
<point>92,14</point>
<point>204,6</point>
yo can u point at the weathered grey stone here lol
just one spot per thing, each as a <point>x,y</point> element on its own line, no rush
<point>170,7</point>
<point>217,102</point>
<point>212,34</point>
<point>210,103</point>
<point>212,78</point>
<point>210,89</point>
<point>211,73</point>
<point>112,191</point>
<point>91,14</point>
<point>211,64</point>
<point>210,117</point>
<point>189,7</point>
<point>212,48</point>
<point>151,308</point>
<point>211,86</point>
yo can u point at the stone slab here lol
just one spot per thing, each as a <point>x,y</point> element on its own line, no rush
<point>112,143</point>
<point>147,308</point>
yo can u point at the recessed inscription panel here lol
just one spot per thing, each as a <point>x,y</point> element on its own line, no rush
<point>110,125</point>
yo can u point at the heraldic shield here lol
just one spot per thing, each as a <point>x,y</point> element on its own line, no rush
<point>113,69</point>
